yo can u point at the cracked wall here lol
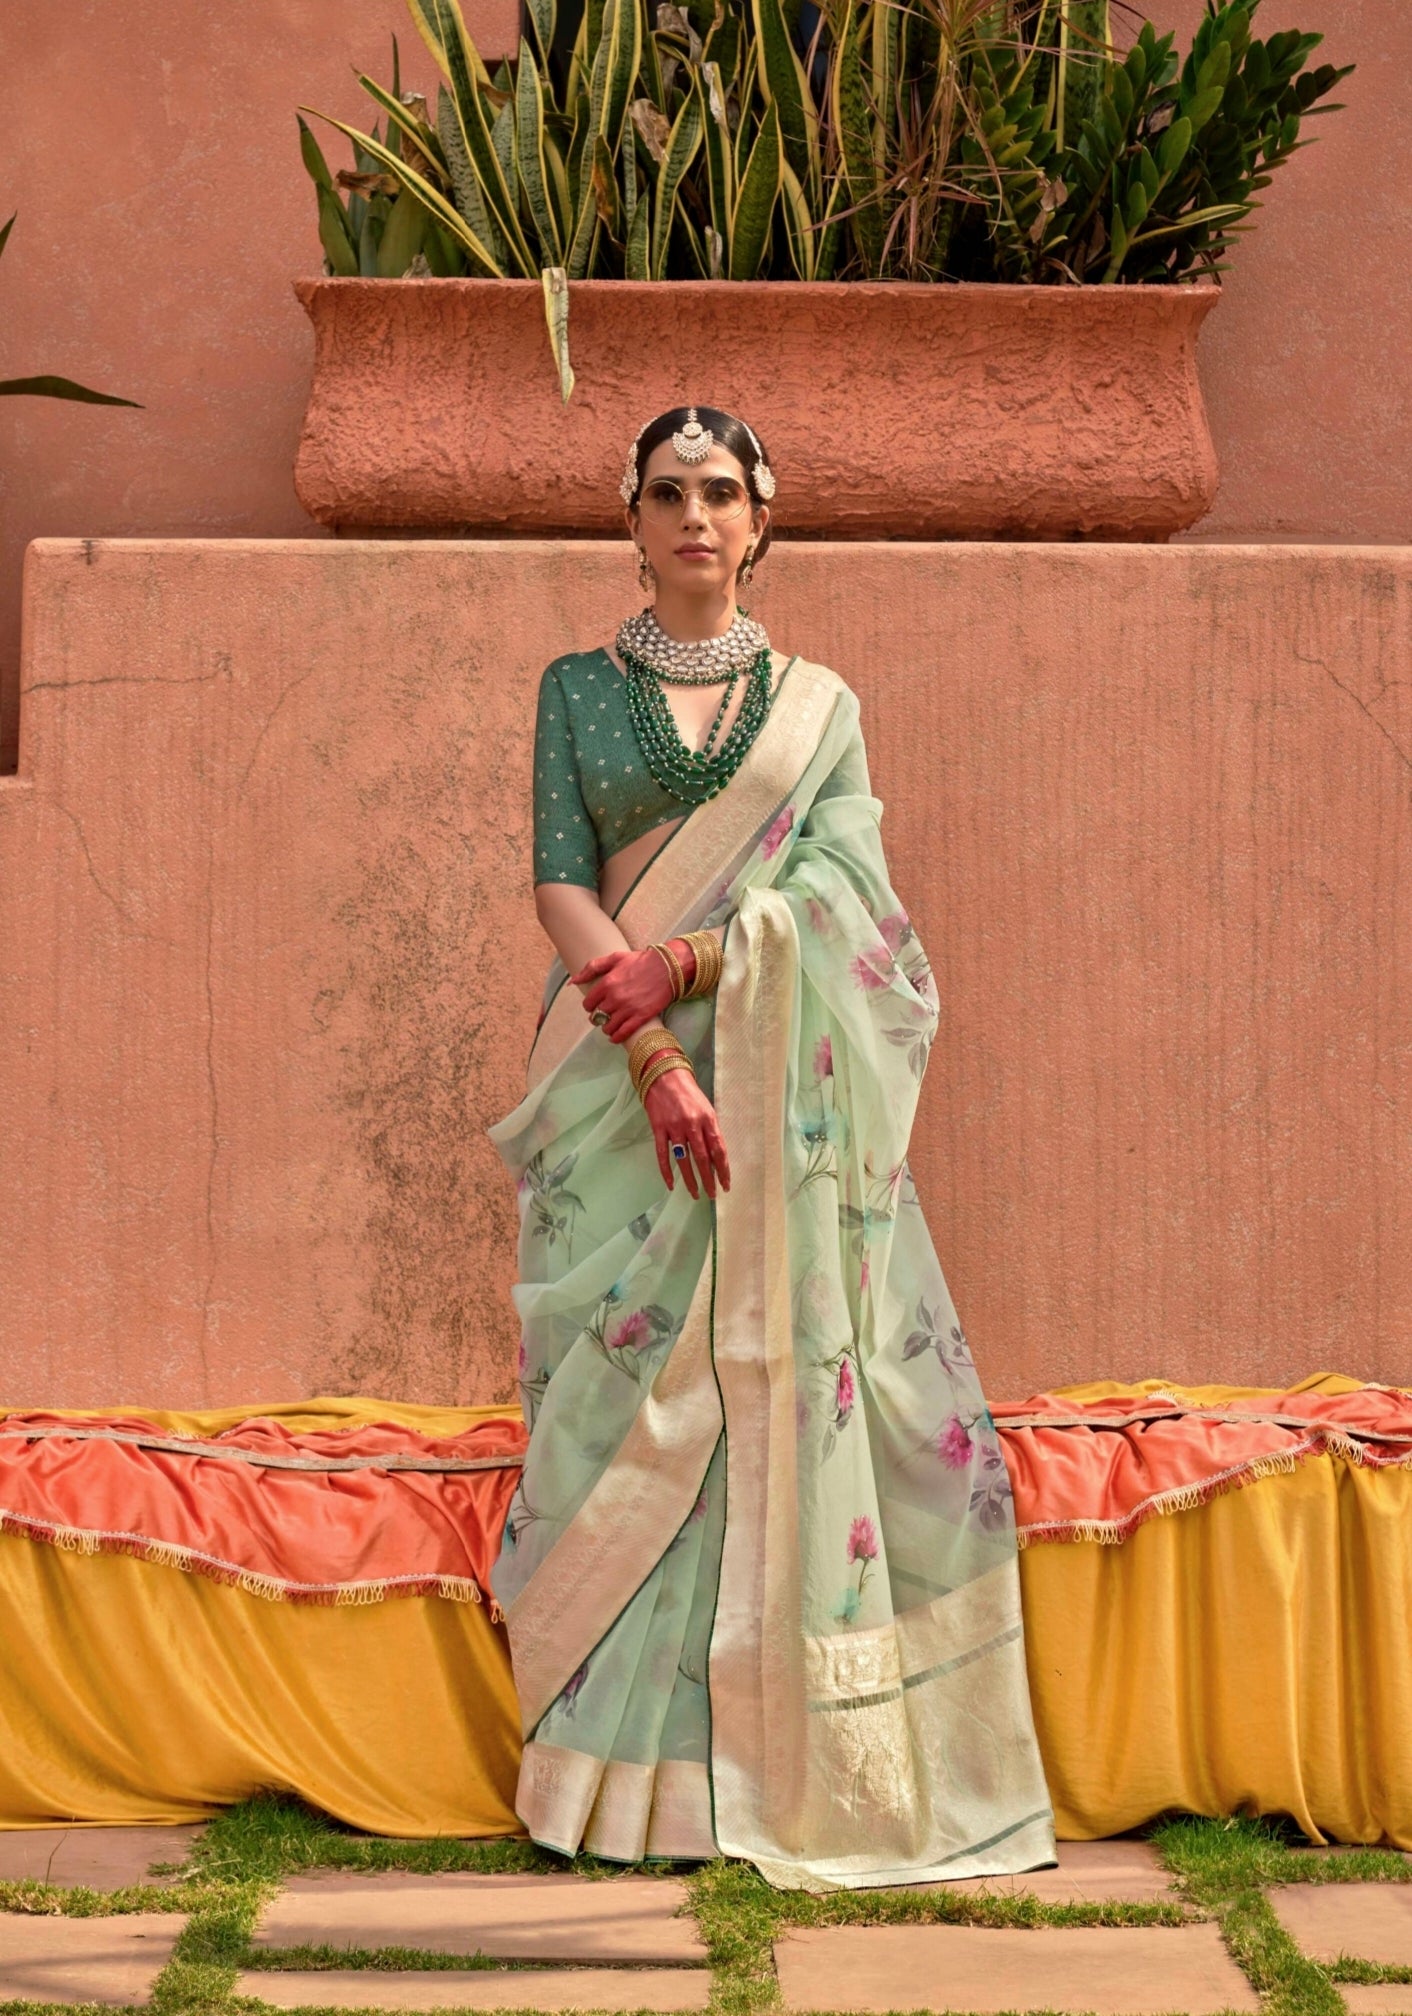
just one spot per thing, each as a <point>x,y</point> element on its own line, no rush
<point>269,965</point>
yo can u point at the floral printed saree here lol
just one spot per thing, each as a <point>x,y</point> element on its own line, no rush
<point>760,1574</point>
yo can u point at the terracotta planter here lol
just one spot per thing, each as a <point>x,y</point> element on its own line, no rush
<point>889,409</point>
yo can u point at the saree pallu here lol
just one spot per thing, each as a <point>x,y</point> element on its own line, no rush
<point>760,1575</point>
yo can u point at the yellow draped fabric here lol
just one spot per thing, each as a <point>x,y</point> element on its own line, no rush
<point>301,1417</point>
<point>132,1693</point>
<point>1250,1655</point>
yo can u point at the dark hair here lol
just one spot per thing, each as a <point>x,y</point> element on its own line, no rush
<point>730,434</point>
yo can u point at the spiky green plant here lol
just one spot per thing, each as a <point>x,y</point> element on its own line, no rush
<point>46,385</point>
<point>913,139</point>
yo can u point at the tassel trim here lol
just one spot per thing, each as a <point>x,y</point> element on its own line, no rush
<point>1187,1497</point>
<point>273,1588</point>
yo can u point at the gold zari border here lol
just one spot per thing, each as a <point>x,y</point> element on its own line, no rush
<point>624,1812</point>
<point>643,1497</point>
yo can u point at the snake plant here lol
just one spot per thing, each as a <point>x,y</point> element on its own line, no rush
<point>904,139</point>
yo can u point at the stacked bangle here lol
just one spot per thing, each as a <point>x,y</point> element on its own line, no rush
<point>709,960</point>
<point>651,1054</point>
<point>674,968</point>
<point>658,1068</point>
<point>706,950</point>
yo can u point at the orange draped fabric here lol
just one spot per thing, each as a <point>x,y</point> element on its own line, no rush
<point>1093,1462</point>
<point>329,1501</point>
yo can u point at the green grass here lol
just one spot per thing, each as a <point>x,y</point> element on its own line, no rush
<point>1223,1870</point>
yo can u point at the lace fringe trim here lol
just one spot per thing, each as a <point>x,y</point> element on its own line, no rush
<point>1186,1497</point>
<point>273,1588</point>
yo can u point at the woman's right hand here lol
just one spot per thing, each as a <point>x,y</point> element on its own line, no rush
<point>680,1111</point>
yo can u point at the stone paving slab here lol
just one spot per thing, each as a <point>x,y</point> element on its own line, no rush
<point>1113,1971</point>
<point>1089,1872</point>
<point>624,1918</point>
<point>52,1959</point>
<point>1384,1998</point>
<point>1366,1921</point>
<point>102,1858</point>
<point>655,1988</point>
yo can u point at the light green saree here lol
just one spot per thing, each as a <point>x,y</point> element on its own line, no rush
<point>760,1575</point>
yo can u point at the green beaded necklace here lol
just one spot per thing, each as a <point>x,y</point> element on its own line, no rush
<point>694,775</point>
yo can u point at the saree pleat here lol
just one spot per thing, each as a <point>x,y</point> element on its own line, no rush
<point>760,1575</point>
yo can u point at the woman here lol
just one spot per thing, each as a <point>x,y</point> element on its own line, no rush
<point>760,1575</point>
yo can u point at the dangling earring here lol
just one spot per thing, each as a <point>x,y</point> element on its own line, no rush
<point>645,575</point>
<point>747,572</point>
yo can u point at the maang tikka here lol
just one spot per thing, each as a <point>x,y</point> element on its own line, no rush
<point>693,442</point>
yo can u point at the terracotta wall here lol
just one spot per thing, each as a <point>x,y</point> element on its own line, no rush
<point>270,963</point>
<point>163,210</point>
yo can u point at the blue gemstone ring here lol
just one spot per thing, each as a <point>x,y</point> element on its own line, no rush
<point>679,1150</point>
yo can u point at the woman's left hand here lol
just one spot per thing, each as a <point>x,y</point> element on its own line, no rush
<point>631,987</point>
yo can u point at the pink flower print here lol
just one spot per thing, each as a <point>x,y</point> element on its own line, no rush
<point>801,1416</point>
<point>893,929</point>
<point>867,973</point>
<point>954,1445</point>
<point>845,1394</point>
<point>820,916</point>
<point>523,1364</point>
<point>865,1273</point>
<point>862,1539</point>
<point>823,1057</point>
<point>775,833</point>
<point>632,1334</point>
<point>698,1510</point>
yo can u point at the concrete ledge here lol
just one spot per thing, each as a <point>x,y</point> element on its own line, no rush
<point>269,965</point>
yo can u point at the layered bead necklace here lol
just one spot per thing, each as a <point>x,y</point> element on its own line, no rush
<point>653,659</point>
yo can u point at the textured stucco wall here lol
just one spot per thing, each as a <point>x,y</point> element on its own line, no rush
<point>163,211</point>
<point>152,158</point>
<point>1307,362</point>
<point>269,966</point>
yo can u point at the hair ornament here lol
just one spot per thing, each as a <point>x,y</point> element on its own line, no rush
<point>693,442</point>
<point>763,474</point>
<point>628,485</point>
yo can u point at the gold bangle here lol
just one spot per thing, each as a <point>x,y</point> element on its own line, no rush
<point>648,1063</point>
<point>658,1069</point>
<point>644,1043</point>
<point>709,960</point>
<point>645,1062</point>
<point>674,968</point>
<point>708,947</point>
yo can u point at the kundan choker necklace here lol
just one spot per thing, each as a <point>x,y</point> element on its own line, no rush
<point>701,661</point>
<point>652,657</point>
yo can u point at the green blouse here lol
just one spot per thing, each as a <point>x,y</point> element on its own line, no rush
<point>593,791</point>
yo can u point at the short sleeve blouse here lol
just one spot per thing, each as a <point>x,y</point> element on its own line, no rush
<point>593,791</point>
